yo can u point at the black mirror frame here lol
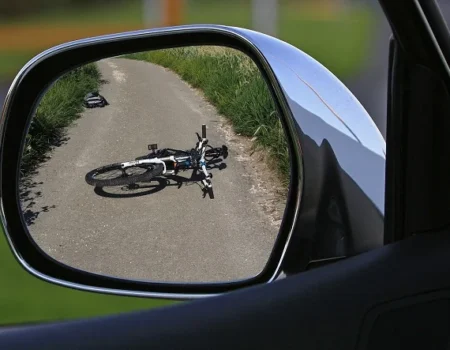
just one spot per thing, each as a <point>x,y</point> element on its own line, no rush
<point>21,102</point>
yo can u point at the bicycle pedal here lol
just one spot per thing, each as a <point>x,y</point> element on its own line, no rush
<point>153,147</point>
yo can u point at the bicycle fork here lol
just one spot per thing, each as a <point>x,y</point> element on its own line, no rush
<point>207,180</point>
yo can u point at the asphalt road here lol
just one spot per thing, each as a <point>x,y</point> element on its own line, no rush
<point>158,232</point>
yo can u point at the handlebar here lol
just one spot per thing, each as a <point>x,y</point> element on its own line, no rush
<point>198,157</point>
<point>204,131</point>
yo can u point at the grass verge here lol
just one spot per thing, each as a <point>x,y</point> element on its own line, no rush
<point>232,82</point>
<point>60,106</point>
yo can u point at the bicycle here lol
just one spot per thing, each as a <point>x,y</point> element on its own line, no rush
<point>158,162</point>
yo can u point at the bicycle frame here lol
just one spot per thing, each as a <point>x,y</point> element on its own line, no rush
<point>201,148</point>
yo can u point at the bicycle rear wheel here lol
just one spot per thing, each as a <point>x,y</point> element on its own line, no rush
<point>115,175</point>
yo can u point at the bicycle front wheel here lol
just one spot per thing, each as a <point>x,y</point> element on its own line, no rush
<point>115,175</point>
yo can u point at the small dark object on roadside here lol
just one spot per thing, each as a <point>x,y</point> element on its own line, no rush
<point>94,99</point>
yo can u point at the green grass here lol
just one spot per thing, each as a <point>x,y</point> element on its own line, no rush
<point>61,104</point>
<point>11,62</point>
<point>341,43</point>
<point>233,84</point>
<point>25,298</point>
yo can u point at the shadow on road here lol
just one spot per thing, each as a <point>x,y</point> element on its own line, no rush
<point>134,190</point>
<point>28,191</point>
<point>28,196</point>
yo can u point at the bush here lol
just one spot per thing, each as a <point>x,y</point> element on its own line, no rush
<point>60,106</point>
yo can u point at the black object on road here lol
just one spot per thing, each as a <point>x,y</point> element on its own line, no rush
<point>94,99</point>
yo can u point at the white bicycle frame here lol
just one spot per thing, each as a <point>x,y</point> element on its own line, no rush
<point>206,181</point>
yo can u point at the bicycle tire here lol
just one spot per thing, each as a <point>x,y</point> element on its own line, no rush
<point>149,171</point>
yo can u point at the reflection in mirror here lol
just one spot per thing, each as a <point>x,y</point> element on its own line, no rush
<point>167,166</point>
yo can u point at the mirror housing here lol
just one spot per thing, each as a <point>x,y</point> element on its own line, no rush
<point>335,205</point>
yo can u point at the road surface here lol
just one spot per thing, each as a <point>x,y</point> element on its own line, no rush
<point>159,232</point>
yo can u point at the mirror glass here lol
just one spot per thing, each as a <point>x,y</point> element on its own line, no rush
<point>168,166</point>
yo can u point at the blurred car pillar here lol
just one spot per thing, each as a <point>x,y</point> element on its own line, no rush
<point>265,16</point>
<point>152,12</point>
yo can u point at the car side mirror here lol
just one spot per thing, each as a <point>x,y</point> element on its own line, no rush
<point>289,165</point>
